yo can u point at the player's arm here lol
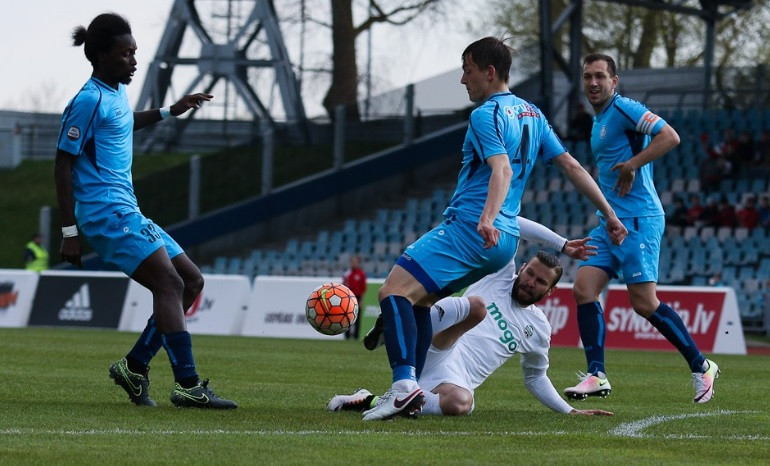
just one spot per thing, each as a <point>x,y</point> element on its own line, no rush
<point>666,139</point>
<point>534,366</point>
<point>71,249</point>
<point>152,116</point>
<point>584,183</point>
<point>576,248</point>
<point>499,184</point>
<point>533,231</point>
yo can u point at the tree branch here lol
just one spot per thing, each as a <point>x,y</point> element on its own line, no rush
<point>412,10</point>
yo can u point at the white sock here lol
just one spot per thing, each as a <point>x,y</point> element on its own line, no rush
<point>405,385</point>
<point>601,375</point>
<point>432,405</point>
<point>705,366</point>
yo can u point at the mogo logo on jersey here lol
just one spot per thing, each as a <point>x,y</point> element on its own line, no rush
<point>508,338</point>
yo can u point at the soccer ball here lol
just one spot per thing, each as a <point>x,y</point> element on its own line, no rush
<point>331,308</point>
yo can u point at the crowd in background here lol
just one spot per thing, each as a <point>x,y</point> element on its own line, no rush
<point>733,156</point>
<point>717,211</point>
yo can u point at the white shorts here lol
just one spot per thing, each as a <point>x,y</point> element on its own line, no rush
<point>446,366</point>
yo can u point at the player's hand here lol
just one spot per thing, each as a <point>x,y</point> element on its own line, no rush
<point>489,233</point>
<point>190,101</point>
<point>71,250</point>
<point>626,175</point>
<point>579,249</point>
<point>616,230</point>
<point>591,412</point>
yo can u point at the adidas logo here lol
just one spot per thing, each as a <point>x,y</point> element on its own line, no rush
<point>78,308</point>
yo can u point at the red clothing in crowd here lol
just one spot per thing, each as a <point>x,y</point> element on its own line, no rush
<point>748,217</point>
<point>355,279</point>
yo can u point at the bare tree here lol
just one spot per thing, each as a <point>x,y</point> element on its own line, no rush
<point>46,97</point>
<point>344,87</point>
<point>640,37</point>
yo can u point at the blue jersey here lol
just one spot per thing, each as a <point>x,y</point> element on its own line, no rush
<point>621,131</point>
<point>97,127</point>
<point>503,124</point>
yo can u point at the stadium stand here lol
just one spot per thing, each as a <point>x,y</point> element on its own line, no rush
<point>691,254</point>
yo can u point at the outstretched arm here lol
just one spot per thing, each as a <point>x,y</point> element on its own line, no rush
<point>537,382</point>
<point>579,248</point>
<point>582,180</point>
<point>152,116</point>
<point>575,248</point>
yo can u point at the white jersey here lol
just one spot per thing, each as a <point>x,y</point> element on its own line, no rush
<point>506,330</point>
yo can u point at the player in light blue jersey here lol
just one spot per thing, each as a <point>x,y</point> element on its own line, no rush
<point>625,139</point>
<point>505,136</point>
<point>93,169</point>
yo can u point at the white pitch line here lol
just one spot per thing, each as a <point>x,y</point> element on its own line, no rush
<point>263,433</point>
<point>634,429</point>
<point>629,429</point>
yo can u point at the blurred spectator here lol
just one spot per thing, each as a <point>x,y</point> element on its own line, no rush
<point>679,216</point>
<point>695,211</point>
<point>709,214</point>
<point>705,142</point>
<point>716,279</point>
<point>762,150</point>
<point>728,146</point>
<point>764,212</point>
<point>355,279</point>
<point>581,124</point>
<point>726,213</point>
<point>748,215</point>
<point>710,169</point>
<point>744,154</point>
<point>761,299</point>
<point>35,255</point>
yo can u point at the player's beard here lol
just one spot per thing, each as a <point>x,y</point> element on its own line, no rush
<point>524,297</point>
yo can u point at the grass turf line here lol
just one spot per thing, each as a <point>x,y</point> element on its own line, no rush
<point>59,405</point>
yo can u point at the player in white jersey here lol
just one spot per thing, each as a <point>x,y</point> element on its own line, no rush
<point>477,333</point>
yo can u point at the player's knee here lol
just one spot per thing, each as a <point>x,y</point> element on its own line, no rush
<point>194,285</point>
<point>170,281</point>
<point>645,308</point>
<point>456,403</point>
<point>478,310</point>
<point>582,293</point>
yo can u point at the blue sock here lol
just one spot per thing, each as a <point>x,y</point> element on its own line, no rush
<point>668,322</point>
<point>179,348</point>
<point>146,347</point>
<point>400,336</point>
<point>424,336</point>
<point>591,325</point>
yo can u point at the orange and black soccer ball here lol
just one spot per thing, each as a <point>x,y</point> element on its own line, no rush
<point>331,308</point>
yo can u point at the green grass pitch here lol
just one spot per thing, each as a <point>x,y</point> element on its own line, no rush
<point>59,407</point>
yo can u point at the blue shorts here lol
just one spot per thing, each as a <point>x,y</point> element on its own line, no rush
<point>637,258</point>
<point>125,239</point>
<point>452,256</point>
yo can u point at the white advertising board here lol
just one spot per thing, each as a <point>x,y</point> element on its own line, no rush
<point>218,310</point>
<point>17,290</point>
<point>277,307</point>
